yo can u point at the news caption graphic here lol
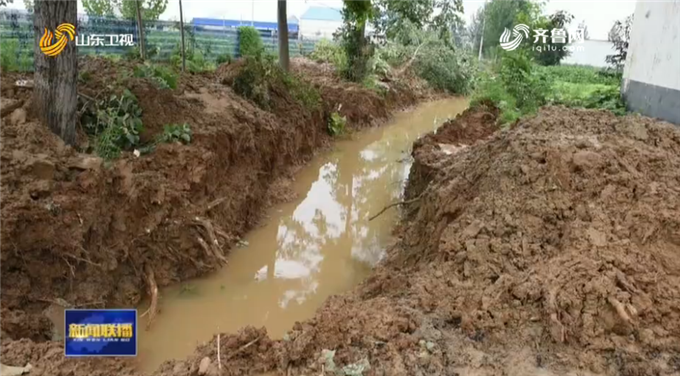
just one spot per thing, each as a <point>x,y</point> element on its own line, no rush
<point>100,332</point>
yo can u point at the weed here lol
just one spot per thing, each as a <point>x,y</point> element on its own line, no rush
<point>224,58</point>
<point>162,76</point>
<point>325,51</point>
<point>115,125</point>
<point>336,123</point>
<point>252,81</point>
<point>261,72</point>
<point>250,42</point>
<point>176,133</point>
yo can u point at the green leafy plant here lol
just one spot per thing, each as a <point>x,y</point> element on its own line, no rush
<point>224,58</point>
<point>115,125</point>
<point>250,41</point>
<point>176,133</point>
<point>260,74</point>
<point>336,123</point>
<point>326,51</point>
<point>162,76</point>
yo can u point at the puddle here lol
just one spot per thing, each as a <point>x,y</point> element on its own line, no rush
<point>319,245</point>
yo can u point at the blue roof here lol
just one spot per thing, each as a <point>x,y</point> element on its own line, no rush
<point>322,14</point>
<point>236,23</point>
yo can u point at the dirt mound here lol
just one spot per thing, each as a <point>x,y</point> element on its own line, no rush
<point>81,232</point>
<point>564,232</point>
<point>551,248</point>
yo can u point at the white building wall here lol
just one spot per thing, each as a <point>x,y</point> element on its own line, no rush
<point>590,52</point>
<point>318,29</point>
<point>654,50</point>
<point>651,75</point>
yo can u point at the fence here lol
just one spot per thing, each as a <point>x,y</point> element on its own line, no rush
<point>162,40</point>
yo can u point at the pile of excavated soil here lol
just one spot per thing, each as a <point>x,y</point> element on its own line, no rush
<point>551,248</point>
<point>81,232</point>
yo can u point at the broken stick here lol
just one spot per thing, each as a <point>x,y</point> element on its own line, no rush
<point>392,205</point>
<point>153,290</point>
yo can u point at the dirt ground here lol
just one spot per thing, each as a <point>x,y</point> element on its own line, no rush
<point>81,232</point>
<point>550,248</point>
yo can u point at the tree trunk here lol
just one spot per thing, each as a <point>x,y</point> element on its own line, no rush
<point>181,27</point>
<point>55,95</point>
<point>140,27</point>
<point>284,56</point>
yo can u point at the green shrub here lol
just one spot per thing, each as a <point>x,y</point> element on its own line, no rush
<point>224,58</point>
<point>250,42</point>
<point>261,73</point>
<point>252,80</point>
<point>9,52</point>
<point>325,51</point>
<point>162,76</point>
<point>447,70</point>
<point>114,125</point>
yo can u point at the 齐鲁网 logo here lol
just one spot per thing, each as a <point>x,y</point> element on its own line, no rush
<point>511,39</point>
<point>518,33</point>
<point>63,34</point>
<point>100,332</point>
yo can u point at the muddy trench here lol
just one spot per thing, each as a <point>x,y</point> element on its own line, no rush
<point>322,243</point>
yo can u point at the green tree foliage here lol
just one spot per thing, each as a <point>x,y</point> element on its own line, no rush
<point>619,35</point>
<point>356,15</point>
<point>496,16</point>
<point>250,42</point>
<point>442,16</point>
<point>151,9</point>
<point>552,52</point>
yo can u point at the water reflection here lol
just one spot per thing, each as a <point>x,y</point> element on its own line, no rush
<point>320,245</point>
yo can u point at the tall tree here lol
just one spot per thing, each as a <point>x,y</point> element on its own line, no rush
<point>355,15</point>
<point>619,35</point>
<point>151,9</point>
<point>442,16</point>
<point>140,27</point>
<point>284,58</point>
<point>55,95</point>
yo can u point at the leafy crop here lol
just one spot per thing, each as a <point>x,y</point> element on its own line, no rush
<point>176,133</point>
<point>162,76</point>
<point>115,125</point>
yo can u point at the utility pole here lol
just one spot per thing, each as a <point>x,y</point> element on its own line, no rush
<point>481,40</point>
<point>181,25</point>
<point>252,13</point>
<point>140,26</point>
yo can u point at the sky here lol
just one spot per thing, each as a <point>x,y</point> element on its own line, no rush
<point>599,15</point>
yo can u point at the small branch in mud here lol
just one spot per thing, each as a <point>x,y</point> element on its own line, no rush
<point>394,204</point>
<point>212,248</point>
<point>153,289</point>
<point>242,348</point>
<point>219,358</point>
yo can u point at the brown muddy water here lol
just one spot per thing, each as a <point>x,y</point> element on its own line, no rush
<point>318,245</point>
